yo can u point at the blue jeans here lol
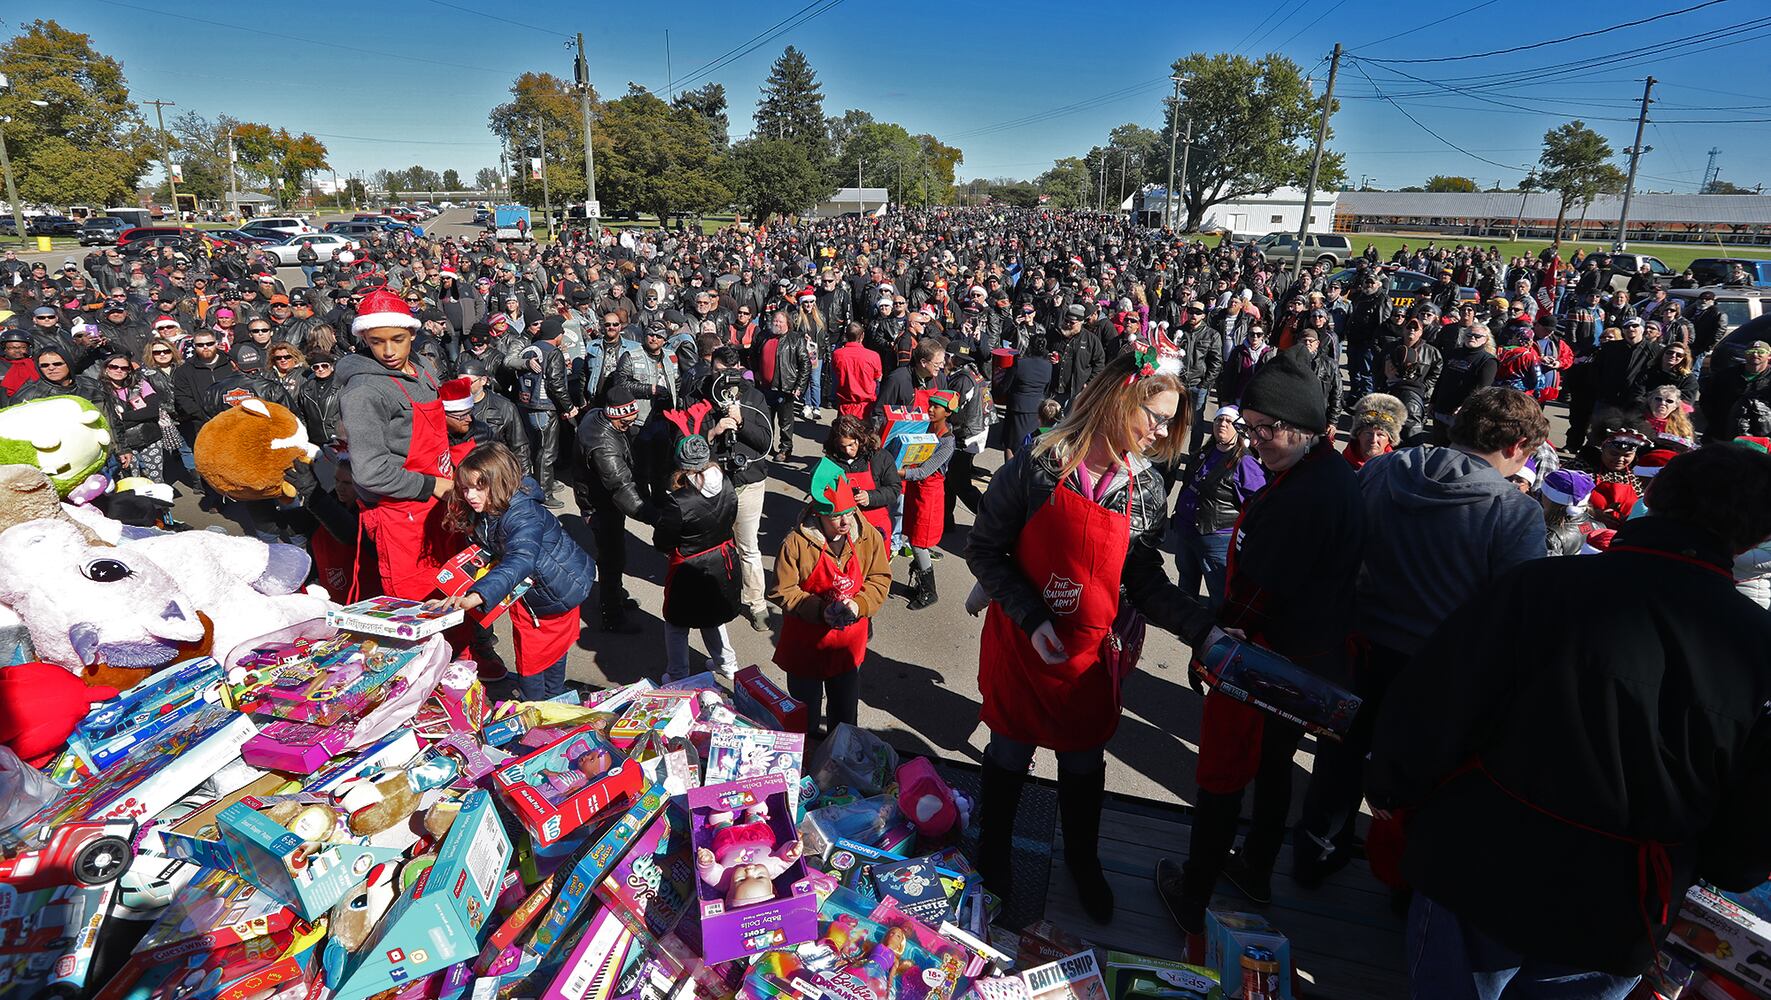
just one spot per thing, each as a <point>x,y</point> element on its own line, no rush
<point>1197,433</point>
<point>1200,557</point>
<point>1364,362</point>
<point>1449,960</point>
<point>547,684</point>
<point>815,391</point>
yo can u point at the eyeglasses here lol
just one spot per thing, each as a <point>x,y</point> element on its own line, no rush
<point>1663,401</point>
<point>282,357</point>
<point>258,329</point>
<point>1155,417</point>
<point>1265,432</point>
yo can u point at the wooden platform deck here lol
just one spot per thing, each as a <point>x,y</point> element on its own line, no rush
<point>1345,941</point>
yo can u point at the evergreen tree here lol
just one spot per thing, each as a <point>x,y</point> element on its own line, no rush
<point>792,105</point>
<point>710,103</point>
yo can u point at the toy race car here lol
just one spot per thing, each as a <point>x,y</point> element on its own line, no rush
<point>82,853</point>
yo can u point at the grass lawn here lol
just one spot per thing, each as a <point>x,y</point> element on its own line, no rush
<point>1675,256</point>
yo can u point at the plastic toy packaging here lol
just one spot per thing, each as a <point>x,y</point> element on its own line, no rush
<point>854,757</point>
<point>862,956</point>
<point>23,789</point>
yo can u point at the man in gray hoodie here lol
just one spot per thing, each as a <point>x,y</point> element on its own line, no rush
<point>1445,523</point>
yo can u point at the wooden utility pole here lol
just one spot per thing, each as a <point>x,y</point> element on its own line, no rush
<point>1636,151</point>
<point>592,210</point>
<point>166,149</point>
<point>1334,67</point>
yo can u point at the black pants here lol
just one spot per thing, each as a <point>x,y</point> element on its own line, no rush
<point>609,527</point>
<point>843,692</point>
<point>786,412</point>
<point>1337,782</point>
<point>1215,815</point>
<point>960,485</point>
<point>1577,392</point>
<point>543,430</point>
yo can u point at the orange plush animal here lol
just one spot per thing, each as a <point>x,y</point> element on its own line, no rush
<point>246,451</point>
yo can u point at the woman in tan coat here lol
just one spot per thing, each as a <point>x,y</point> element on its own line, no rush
<point>831,575</point>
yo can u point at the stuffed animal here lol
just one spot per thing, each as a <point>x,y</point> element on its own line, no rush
<point>40,703</point>
<point>65,436</point>
<point>245,451</point>
<point>744,859</point>
<point>355,916</point>
<point>377,802</point>
<point>26,494</point>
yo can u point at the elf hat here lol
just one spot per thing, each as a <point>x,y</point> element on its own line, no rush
<point>832,495</point>
<point>946,399</point>
<point>380,309</point>
<point>457,395</point>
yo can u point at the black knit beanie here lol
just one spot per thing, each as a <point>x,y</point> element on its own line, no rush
<point>1287,389</point>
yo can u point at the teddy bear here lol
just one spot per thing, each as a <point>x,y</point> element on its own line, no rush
<point>246,450</point>
<point>377,802</point>
<point>744,860</point>
<point>64,436</point>
<point>27,494</point>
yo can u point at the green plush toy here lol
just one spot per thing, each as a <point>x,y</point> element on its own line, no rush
<point>64,436</point>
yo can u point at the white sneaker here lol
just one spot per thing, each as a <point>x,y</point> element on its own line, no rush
<point>722,670</point>
<point>805,412</point>
<point>817,413</point>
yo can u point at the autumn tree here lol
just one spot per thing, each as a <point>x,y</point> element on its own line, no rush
<point>1440,182</point>
<point>283,160</point>
<point>89,143</point>
<point>541,105</point>
<point>1576,164</point>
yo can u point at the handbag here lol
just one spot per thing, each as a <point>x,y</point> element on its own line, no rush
<point>1124,643</point>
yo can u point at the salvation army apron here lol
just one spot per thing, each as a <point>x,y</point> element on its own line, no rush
<point>411,543</point>
<point>1073,550</point>
<point>815,650</point>
<point>880,517</point>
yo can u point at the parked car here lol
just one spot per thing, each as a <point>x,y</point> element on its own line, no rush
<point>141,233</point>
<point>1405,286</point>
<point>287,251</point>
<point>1624,265</point>
<point>354,229</point>
<point>51,225</point>
<point>1739,306</point>
<point>287,225</point>
<point>244,237</point>
<point>101,231</point>
<point>1331,249</point>
<point>1716,270</point>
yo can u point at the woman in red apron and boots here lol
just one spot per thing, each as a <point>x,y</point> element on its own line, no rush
<point>855,452</point>
<point>399,446</point>
<point>1294,556</point>
<point>1069,531</point>
<point>925,500</point>
<point>831,575</point>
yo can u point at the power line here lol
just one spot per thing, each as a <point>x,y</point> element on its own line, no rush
<point>1429,24</point>
<point>1057,112</point>
<point>1275,25</point>
<point>469,10</point>
<point>1238,47</point>
<point>1422,126</point>
<point>1288,39</point>
<point>743,49</point>
<point>1559,41</point>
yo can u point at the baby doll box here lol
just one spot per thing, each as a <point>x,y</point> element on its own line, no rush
<point>437,921</point>
<point>567,784</point>
<point>282,864</point>
<point>731,932</point>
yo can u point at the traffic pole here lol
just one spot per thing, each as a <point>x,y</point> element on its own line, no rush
<point>166,151</point>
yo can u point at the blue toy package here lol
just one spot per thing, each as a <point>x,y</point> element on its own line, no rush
<point>1270,682</point>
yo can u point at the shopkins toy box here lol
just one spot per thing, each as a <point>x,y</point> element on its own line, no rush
<point>394,618</point>
<point>592,866</point>
<point>567,784</point>
<point>668,711</point>
<point>307,875</point>
<point>437,920</point>
<point>753,891</point>
<point>736,752</point>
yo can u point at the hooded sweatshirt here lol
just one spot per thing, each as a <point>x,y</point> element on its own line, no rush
<point>1444,524</point>
<point>376,418</point>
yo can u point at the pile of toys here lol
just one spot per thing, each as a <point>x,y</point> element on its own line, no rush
<point>339,809</point>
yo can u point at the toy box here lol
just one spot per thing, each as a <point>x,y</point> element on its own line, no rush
<point>169,694</point>
<point>342,678</point>
<point>394,618</point>
<point>47,938</point>
<point>910,450</point>
<point>590,869</point>
<point>1074,977</point>
<point>853,864</point>
<point>559,788</point>
<point>204,971</point>
<point>594,966</point>
<point>1274,684</point>
<point>436,922</point>
<point>863,821</point>
<point>1725,934</point>
<point>920,888</point>
<point>853,757</point>
<point>307,876</point>
<point>735,752</point>
<point>465,568</point>
<point>751,883</point>
<point>759,698</point>
<point>653,885</point>
<point>295,747</point>
<point>1133,977</point>
<point>197,837</point>
<point>1227,934</point>
<point>669,712</point>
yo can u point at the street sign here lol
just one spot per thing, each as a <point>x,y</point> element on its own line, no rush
<point>593,209</point>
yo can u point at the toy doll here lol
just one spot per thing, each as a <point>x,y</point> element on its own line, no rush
<point>880,964</point>
<point>744,860</point>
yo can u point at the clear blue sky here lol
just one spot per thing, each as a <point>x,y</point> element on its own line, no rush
<point>967,74</point>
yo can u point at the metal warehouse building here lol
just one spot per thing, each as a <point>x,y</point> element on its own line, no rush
<point>1735,219</point>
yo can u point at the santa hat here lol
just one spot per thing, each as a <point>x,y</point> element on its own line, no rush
<point>448,272</point>
<point>806,294</point>
<point>1650,463</point>
<point>457,395</point>
<point>1568,487</point>
<point>39,705</point>
<point>382,308</point>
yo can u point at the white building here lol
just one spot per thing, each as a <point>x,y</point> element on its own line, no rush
<point>1279,212</point>
<point>871,201</point>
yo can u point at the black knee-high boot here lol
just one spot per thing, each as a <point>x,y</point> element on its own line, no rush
<point>1214,832</point>
<point>999,799</point>
<point>1079,809</point>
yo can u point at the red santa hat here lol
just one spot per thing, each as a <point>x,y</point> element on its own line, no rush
<point>457,395</point>
<point>448,272</point>
<point>1649,465</point>
<point>382,308</point>
<point>806,294</point>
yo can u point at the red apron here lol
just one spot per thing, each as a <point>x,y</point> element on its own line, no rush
<point>813,649</point>
<point>879,517</point>
<point>1073,550</point>
<point>925,510</point>
<point>411,542</point>
<point>541,641</point>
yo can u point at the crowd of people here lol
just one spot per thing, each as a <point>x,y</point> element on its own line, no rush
<point>1361,482</point>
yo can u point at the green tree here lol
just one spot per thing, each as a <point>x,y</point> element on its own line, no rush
<point>792,105</point>
<point>774,176</point>
<point>708,101</point>
<point>487,179</point>
<point>1720,186</point>
<point>90,144</point>
<point>542,101</point>
<point>1575,164</point>
<point>940,163</point>
<point>1440,182</point>
<point>354,191</point>
<point>1020,194</point>
<point>1254,123</point>
<point>451,180</point>
<point>279,157</point>
<point>655,158</point>
<point>1067,182</point>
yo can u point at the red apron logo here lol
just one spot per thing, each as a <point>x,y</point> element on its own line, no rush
<point>1062,594</point>
<point>445,465</point>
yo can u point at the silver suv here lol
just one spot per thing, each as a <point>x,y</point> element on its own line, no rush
<point>1327,249</point>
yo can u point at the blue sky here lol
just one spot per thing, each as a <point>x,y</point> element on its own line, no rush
<point>397,82</point>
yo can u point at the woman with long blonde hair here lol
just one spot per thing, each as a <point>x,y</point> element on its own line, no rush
<point>1062,528</point>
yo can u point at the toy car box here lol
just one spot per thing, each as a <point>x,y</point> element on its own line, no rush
<point>790,917</point>
<point>1227,934</point>
<point>561,787</point>
<point>1274,684</point>
<point>436,922</point>
<point>757,697</point>
<point>1725,934</point>
<point>282,864</point>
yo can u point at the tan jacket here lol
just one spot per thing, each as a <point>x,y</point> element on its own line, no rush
<point>799,557</point>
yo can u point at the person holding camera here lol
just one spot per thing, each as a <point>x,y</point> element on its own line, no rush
<point>741,438</point>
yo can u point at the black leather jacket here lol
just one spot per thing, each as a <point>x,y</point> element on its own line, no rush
<point>317,404</point>
<point>544,390</point>
<point>609,454</point>
<point>501,418</point>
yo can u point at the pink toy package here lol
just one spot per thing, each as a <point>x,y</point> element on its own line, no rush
<point>751,884</point>
<point>559,788</point>
<point>295,747</point>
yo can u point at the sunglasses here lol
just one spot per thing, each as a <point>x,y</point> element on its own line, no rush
<point>116,368</point>
<point>161,350</point>
<point>202,343</point>
<point>52,364</point>
<point>258,329</point>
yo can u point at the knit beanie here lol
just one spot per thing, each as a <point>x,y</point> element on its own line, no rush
<point>619,403</point>
<point>1286,388</point>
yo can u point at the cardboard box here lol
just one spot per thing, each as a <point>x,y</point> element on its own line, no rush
<point>759,698</point>
<point>197,837</point>
<point>1726,935</point>
<point>1274,684</point>
<point>278,861</point>
<point>669,712</point>
<point>561,787</point>
<point>1130,977</point>
<point>295,747</point>
<point>1227,934</point>
<point>653,885</point>
<point>394,618</point>
<point>735,752</point>
<point>437,922</point>
<point>910,450</point>
<point>596,862</point>
<point>790,916</point>
<point>593,969</point>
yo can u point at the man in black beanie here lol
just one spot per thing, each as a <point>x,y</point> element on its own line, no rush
<point>611,496</point>
<point>1293,560</point>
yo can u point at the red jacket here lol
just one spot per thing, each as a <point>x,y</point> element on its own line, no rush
<point>858,373</point>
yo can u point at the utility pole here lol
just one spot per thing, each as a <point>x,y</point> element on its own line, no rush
<point>669,74</point>
<point>1174,128</point>
<point>166,149</point>
<point>860,204</point>
<point>1710,172</point>
<point>1101,188</point>
<point>1334,68</point>
<point>1636,151</point>
<point>233,180</point>
<point>1122,158</point>
<point>18,215</point>
<point>592,210</point>
<point>1186,150</point>
<point>546,195</point>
